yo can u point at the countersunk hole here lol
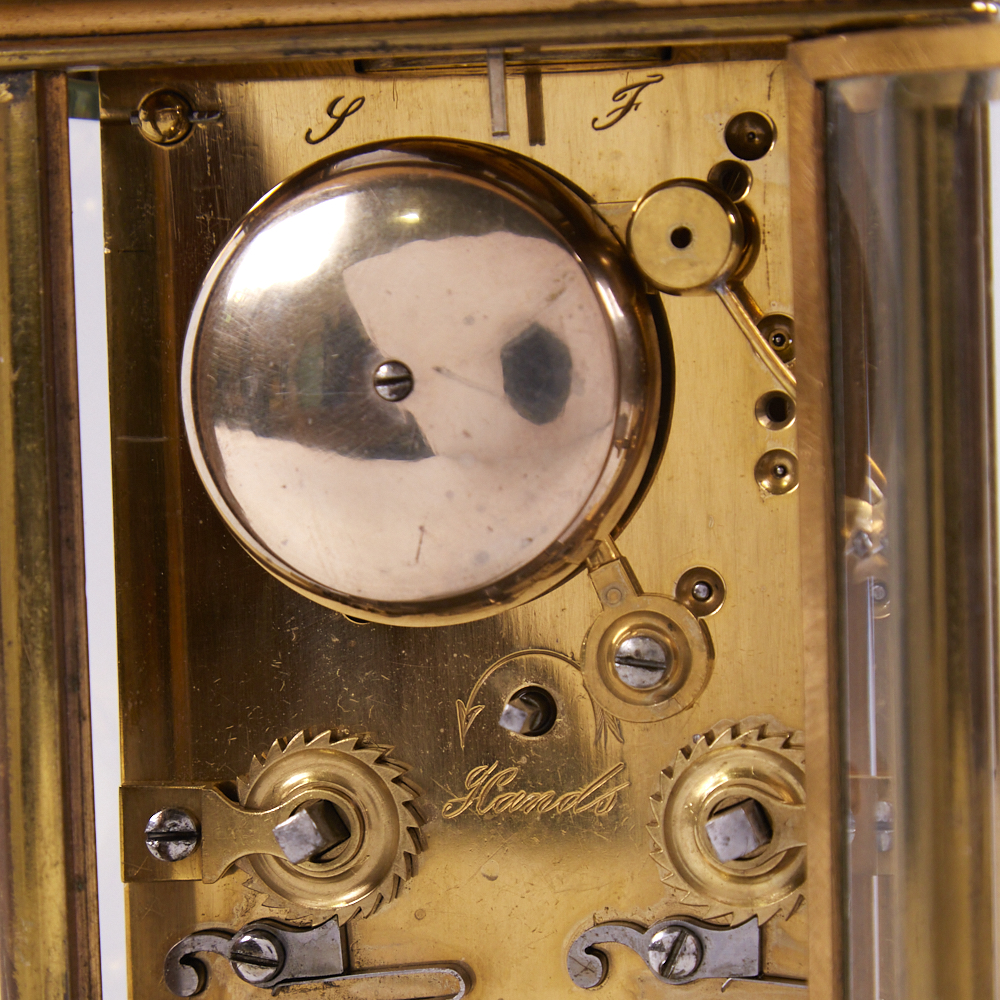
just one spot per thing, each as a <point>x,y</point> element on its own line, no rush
<point>701,590</point>
<point>681,237</point>
<point>732,178</point>
<point>749,135</point>
<point>779,331</point>
<point>775,410</point>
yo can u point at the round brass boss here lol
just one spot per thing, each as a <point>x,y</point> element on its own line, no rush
<point>686,236</point>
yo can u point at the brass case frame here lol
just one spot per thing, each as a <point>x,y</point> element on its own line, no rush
<point>48,927</point>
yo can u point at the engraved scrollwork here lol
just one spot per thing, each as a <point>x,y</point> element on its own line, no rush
<point>630,95</point>
<point>467,711</point>
<point>487,792</point>
<point>339,117</point>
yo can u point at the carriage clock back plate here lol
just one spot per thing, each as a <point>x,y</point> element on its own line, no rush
<point>218,658</point>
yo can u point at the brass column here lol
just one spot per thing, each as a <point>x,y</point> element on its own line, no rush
<point>48,882</point>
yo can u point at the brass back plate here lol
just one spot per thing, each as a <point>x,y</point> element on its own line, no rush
<point>218,658</point>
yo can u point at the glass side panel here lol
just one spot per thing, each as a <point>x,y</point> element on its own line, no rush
<point>913,355</point>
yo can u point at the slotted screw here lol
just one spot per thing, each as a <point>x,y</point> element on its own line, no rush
<point>675,953</point>
<point>393,381</point>
<point>171,834</point>
<point>257,957</point>
<point>642,661</point>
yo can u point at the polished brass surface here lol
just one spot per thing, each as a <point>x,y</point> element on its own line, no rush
<point>223,658</point>
<point>187,709</point>
<point>374,803</point>
<point>689,238</point>
<point>756,759</point>
<point>532,397</point>
<point>701,590</point>
<point>164,117</point>
<point>48,906</point>
<point>925,50</point>
<point>777,472</point>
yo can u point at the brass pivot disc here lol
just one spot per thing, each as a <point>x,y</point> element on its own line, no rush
<point>757,759</point>
<point>374,801</point>
<point>683,638</point>
<point>686,236</point>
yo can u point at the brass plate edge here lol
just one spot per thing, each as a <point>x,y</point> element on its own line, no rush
<point>240,44</point>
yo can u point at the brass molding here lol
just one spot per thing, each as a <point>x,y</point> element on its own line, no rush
<point>818,536</point>
<point>914,50</point>
<point>48,886</point>
<point>114,17</point>
<point>151,41</point>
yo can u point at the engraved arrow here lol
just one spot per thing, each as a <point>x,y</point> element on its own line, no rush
<point>467,712</point>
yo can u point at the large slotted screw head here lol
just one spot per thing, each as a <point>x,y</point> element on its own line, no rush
<point>642,661</point>
<point>171,834</point>
<point>257,957</point>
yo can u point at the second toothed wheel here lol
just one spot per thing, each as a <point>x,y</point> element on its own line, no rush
<point>754,767</point>
<point>374,802</point>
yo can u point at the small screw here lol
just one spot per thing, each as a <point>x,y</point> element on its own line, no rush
<point>675,953</point>
<point>257,956</point>
<point>861,544</point>
<point>164,117</point>
<point>880,592</point>
<point>171,834</point>
<point>393,381</point>
<point>779,330</point>
<point>642,661</point>
<point>776,472</point>
<point>702,591</point>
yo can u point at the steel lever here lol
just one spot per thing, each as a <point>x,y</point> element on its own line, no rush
<point>678,950</point>
<point>271,955</point>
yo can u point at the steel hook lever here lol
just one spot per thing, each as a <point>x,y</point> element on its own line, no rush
<point>272,955</point>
